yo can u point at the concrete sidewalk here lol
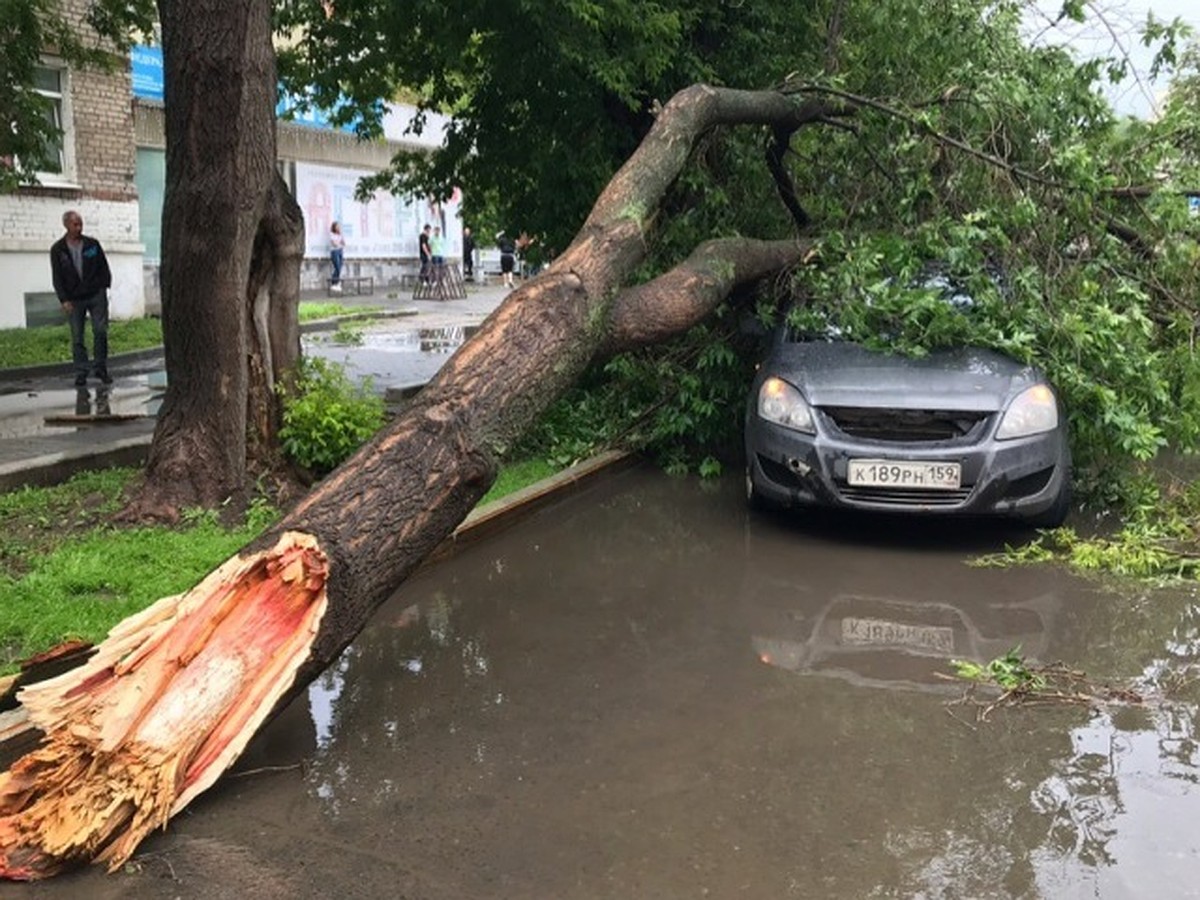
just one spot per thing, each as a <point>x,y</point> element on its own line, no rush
<point>49,429</point>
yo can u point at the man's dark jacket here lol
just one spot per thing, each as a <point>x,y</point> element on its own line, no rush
<point>68,283</point>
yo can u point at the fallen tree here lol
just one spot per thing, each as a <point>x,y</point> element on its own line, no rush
<point>172,697</point>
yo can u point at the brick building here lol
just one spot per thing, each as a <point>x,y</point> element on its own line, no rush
<point>94,174</point>
<point>112,169</point>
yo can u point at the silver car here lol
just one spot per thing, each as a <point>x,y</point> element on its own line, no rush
<point>966,431</point>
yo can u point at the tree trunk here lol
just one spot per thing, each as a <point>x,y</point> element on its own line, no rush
<point>316,578</point>
<point>220,131</point>
<point>273,323</point>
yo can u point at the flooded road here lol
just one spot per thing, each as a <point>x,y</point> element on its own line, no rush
<point>646,692</point>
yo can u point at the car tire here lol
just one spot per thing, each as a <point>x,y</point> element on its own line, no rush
<point>1056,513</point>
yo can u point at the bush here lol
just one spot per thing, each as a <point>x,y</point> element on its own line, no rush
<point>328,417</point>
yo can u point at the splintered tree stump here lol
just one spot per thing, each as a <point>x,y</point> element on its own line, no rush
<point>166,704</point>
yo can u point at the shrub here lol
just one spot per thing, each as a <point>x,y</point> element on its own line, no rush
<point>328,416</point>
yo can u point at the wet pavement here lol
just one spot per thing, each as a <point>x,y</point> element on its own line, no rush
<point>643,691</point>
<point>42,440</point>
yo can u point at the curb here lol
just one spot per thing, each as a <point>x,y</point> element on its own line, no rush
<point>55,468</point>
<point>67,369</point>
<point>493,517</point>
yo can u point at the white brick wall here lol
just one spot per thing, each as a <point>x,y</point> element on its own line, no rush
<point>30,224</point>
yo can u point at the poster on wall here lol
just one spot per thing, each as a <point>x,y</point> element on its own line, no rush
<point>383,227</point>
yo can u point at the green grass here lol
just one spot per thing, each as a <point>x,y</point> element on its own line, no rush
<point>312,311</point>
<point>52,344</point>
<point>516,476</point>
<point>65,572</point>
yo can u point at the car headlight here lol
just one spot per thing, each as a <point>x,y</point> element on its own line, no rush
<point>1032,412</point>
<point>782,404</point>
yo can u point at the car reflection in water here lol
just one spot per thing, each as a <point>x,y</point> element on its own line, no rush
<point>883,641</point>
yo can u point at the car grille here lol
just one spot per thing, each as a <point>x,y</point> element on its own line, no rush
<point>904,498</point>
<point>910,426</point>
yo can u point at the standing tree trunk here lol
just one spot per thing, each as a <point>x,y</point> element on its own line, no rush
<point>268,621</point>
<point>273,324</point>
<point>220,132</point>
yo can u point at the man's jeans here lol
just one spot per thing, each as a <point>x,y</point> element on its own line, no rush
<point>97,307</point>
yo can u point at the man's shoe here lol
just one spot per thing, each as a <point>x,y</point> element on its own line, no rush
<point>104,377</point>
<point>80,381</point>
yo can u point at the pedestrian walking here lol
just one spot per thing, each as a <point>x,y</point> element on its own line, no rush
<point>81,276</point>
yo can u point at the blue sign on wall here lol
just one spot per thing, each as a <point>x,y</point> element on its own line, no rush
<point>146,64</point>
<point>1194,206</point>
<point>286,110</point>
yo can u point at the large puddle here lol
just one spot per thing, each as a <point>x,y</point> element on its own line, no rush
<point>645,692</point>
<point>389,354</point>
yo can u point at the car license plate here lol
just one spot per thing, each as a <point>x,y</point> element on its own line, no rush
<point>897,634</point>
<point>930,476</point>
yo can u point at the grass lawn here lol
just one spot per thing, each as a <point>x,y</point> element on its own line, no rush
<point>65,572</point>
<point>52,344</point>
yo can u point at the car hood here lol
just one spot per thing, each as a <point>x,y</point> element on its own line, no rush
<point>845,374</point>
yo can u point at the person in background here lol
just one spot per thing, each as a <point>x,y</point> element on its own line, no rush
<point>468,254</point>
<point>337,249</point>
<point>424,253</point>
<point>81,277</point>
<point>437,247</point>
<point>508,256</point>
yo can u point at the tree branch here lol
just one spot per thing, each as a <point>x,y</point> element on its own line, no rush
<point>678,299</point>
<point>777,148</point>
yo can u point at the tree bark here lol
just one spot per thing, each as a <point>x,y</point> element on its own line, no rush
<point>220,131</point>
<point>273,323</point>
<point>371,523</point>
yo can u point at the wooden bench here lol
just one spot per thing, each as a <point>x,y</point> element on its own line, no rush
<point>362,284</point>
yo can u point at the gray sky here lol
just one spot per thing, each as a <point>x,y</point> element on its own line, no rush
<point>1119,32</point>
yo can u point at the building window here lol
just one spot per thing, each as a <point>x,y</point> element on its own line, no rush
<point>51,82</point>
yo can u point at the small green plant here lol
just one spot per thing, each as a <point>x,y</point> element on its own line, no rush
<point>1157,541</point>
<point>348,334</point>
<point>1010,672</point>
<point>327,417</point>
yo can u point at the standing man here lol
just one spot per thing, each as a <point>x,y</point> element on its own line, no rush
<point>425,254</point>
<point>81,281</point>
<point>508,257</point>
<point>468,254</point>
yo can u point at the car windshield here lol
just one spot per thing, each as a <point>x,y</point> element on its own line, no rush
<point>819,323</point>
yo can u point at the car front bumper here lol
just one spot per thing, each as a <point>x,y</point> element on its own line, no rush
<point>1020,478</point>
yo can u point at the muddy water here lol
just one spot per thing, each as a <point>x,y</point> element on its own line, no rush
<point>644,692</point>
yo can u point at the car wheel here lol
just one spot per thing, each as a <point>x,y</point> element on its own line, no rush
<point>1056,513</point>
